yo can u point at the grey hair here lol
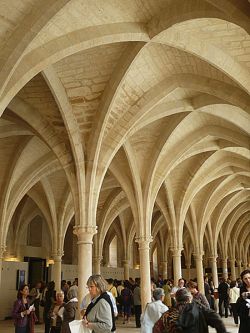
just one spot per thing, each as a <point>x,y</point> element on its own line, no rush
<point>99,282</point>
<point>183,295</point>
<point>158,293</point>
<point>72,293</point>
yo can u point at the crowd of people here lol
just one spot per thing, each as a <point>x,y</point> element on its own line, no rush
<point>181,308</point>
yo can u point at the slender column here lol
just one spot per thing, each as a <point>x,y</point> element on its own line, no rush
<point>224,268</point>
<point>176,264</point>
<point>126,269</point>
<point>97,265</point>
<point>2,250</point>
<point>232,265</point>
<point>213,262</point>
<point>145,269</point>
<point>199,271</point>
<point>188,267</point>
<point>57,269</point>
<point>164,265</point>
<point>85,240</point>
<point>245,265</point>
<point>239,261</point>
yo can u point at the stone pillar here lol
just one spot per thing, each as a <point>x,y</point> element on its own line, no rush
<point>245,265</point>
<point>199,271</point>
<point>164,265</point>
<point>213,262</point>
<point>232,265</point>
<point>57,269</point>
<point>126,269</point>
<point>145,270</point>
<point>85,240</point>
<point>224,268</point>
<point>239,261</point>
<point>97,265</point>
<point>188,267</point>
<point>2,250</point>
<point>176,264</point>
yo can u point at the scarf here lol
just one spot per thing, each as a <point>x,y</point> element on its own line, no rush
<point>107,299</point>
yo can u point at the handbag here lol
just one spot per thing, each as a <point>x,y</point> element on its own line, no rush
<point>76,326</point>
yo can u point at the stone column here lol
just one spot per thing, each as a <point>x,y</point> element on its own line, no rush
<point>145,269</point>
<point>232,265</point>
<point>57,269</point>
<point>213,262</point>
<point>188,267</point>
<point>164,265</point>
<point>97,265</point>
<point>239,261</point>
<point>199,271</point>
<point>2,250</point>
<point>245,265</point>
<point>224,268</point>
<point>176,264</point>
<point>126,269</point>
<point>85,240</point>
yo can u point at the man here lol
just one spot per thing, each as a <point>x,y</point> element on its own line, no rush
<point>188,317</point>
<point>137,302</point>
<point>223,291</point>
<point>181,284</point>
<point>153,311</point>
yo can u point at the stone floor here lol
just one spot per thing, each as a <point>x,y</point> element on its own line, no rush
<point>6,326</point>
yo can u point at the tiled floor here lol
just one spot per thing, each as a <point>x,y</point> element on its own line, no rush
<point>6,326</point>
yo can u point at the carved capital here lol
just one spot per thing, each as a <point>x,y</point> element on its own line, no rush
<point>97,259</point>
<point>57,255</point>
<point>2,251</point>
<point>198,255</point>
<point>144,242</point>
<point>176,251</point>
<point>85,234</point>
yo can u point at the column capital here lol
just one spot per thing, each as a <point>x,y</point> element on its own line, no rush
<point>2,250</point>
<point>198,255</point>
<point>176,251</point>
<point>85,234</point>
<point>213,258</point>
<point>232,260</point>
<point>57,255</point>
<point>144,242</point>
<point>125,262</point>
<point>97,259</point>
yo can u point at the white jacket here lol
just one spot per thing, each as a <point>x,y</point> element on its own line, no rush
<point>152,313</point>
<point>234,294</point>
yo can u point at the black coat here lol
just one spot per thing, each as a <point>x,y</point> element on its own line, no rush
<point>243,312</point>
<point>196,319</point>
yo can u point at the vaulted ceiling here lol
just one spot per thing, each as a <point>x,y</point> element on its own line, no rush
<point>133,114</point>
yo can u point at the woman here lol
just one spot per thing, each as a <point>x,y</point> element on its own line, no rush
<point>99,315</point>
<point>197,296</point>
<point>23,313</point>
<point>56,320</point>
<point>234,294</point>
<point>188,317</point>
<point>167,289</point>
<point>127,301</point>
<point>69,311</point>
<point>243,303</point>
